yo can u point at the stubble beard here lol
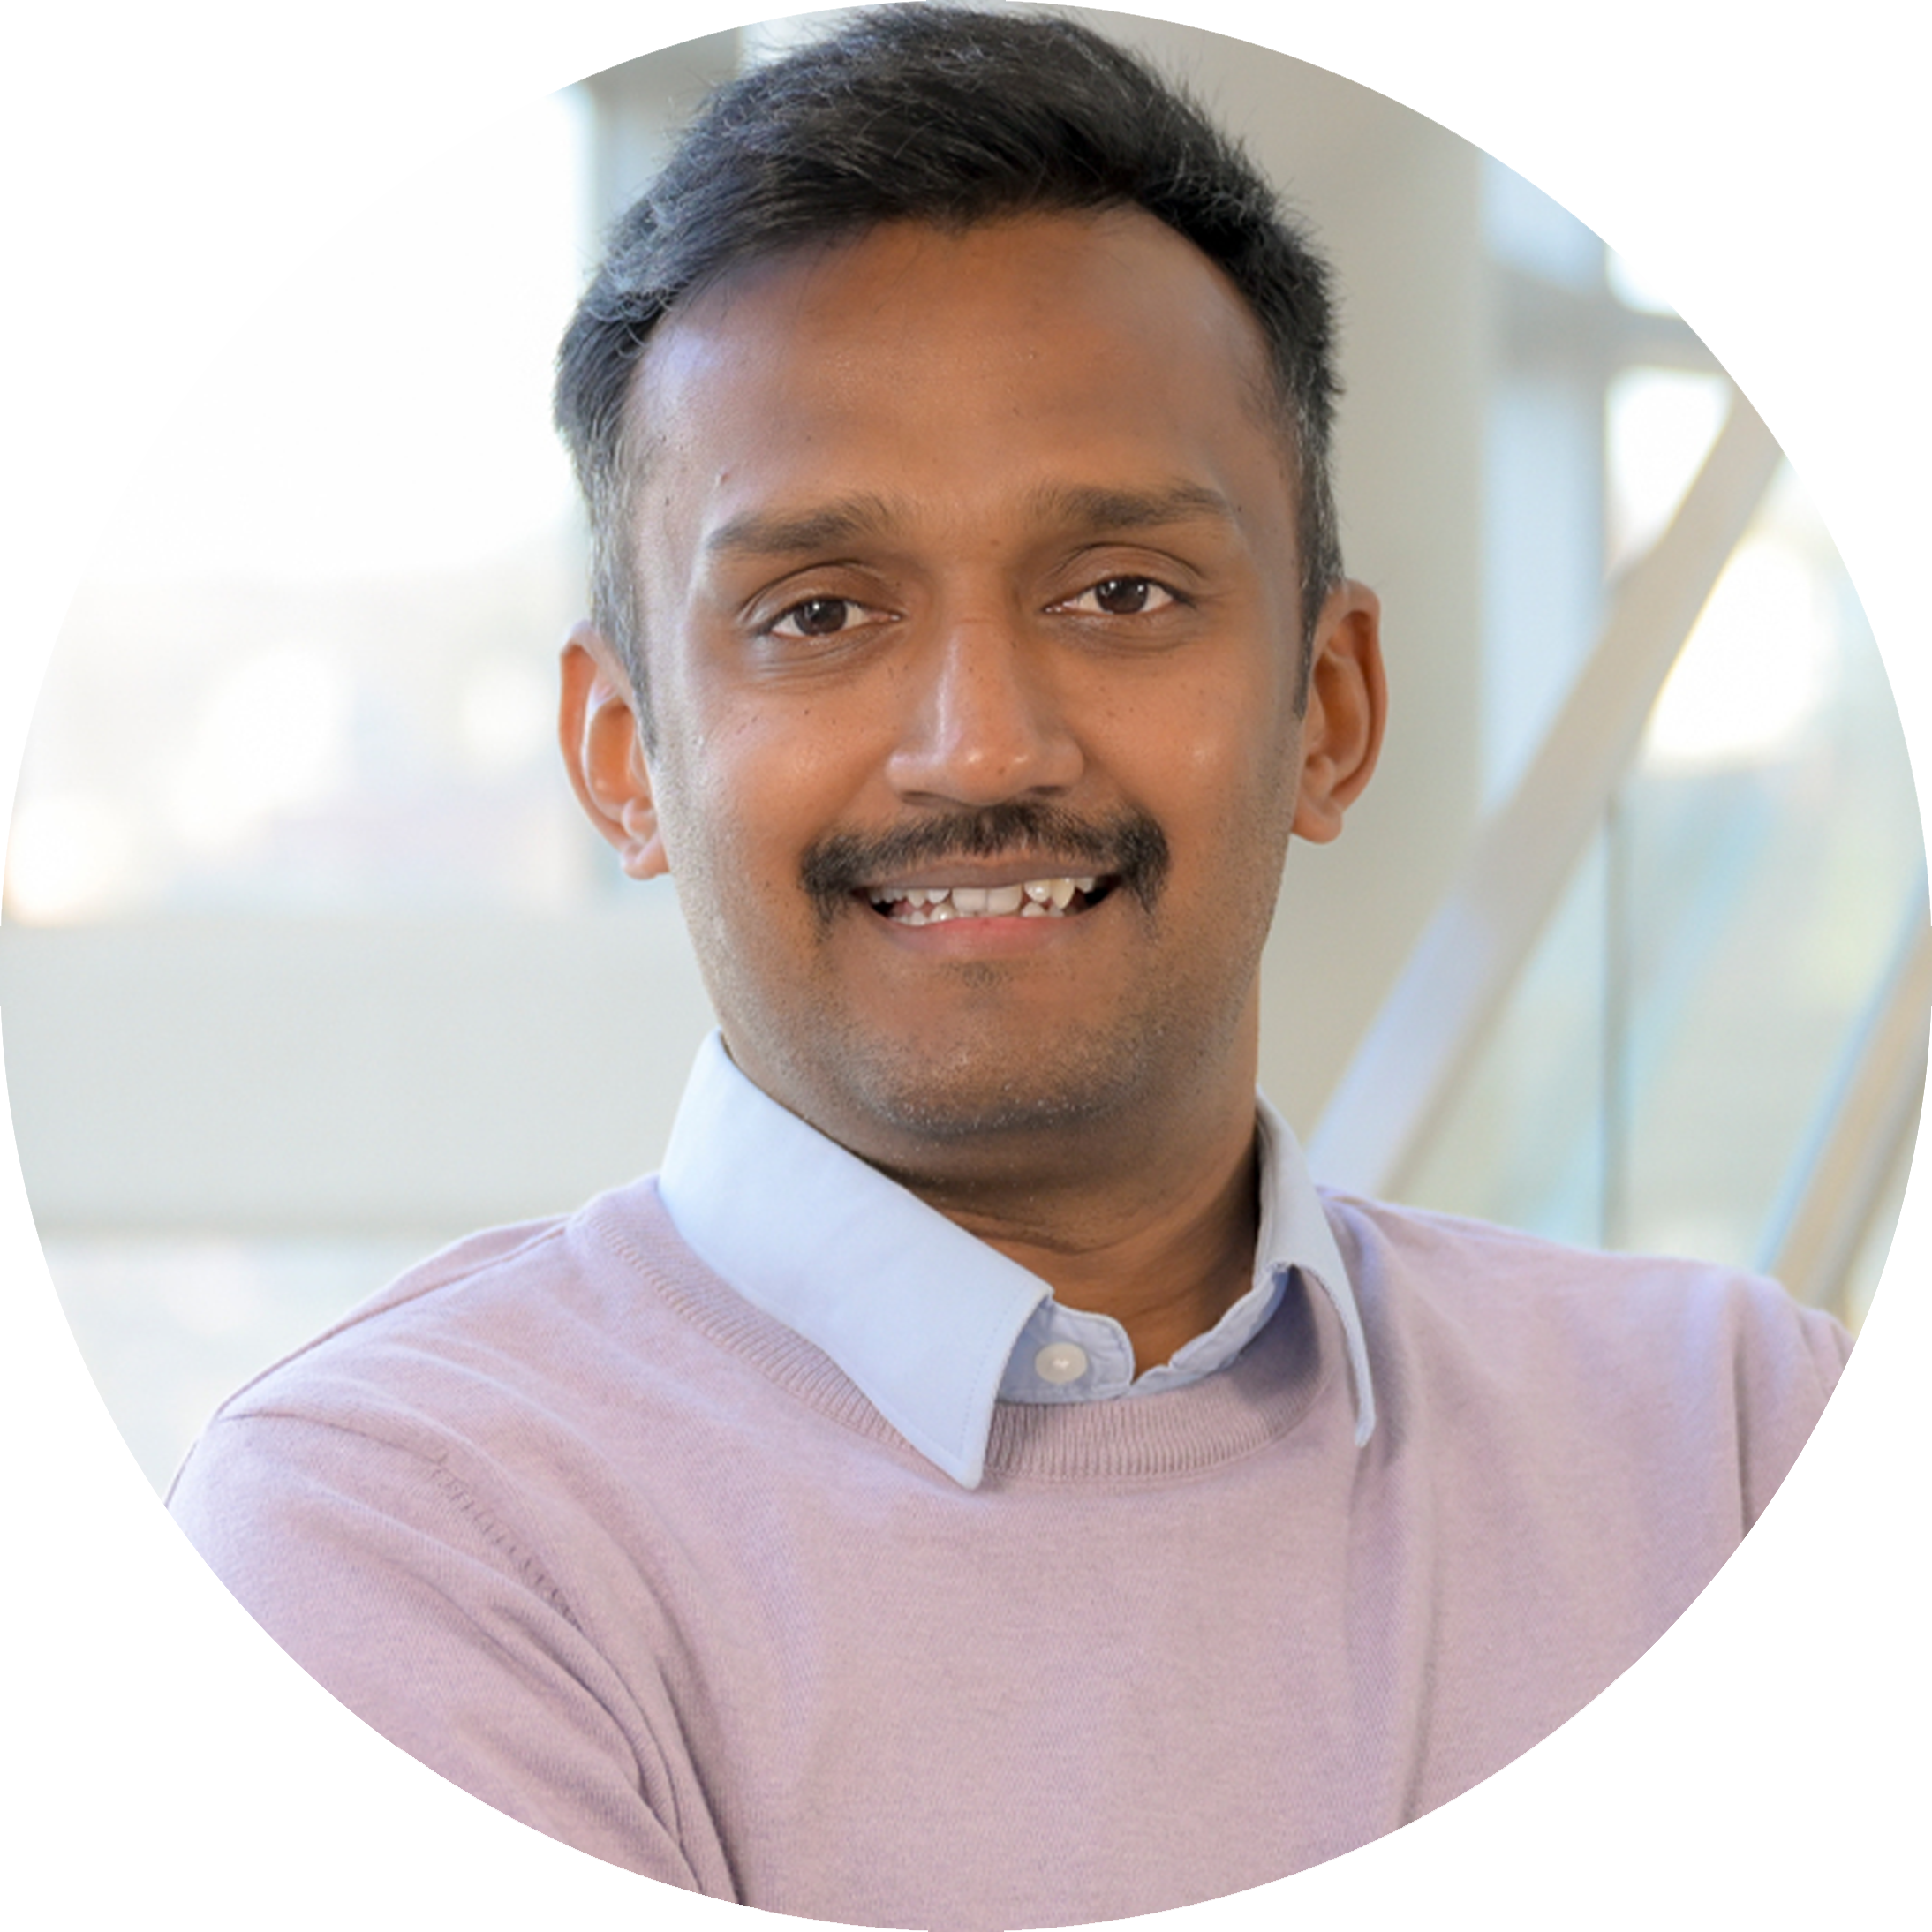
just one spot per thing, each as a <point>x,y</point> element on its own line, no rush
<point>982,1091</point>
<point>987,1080</point>
<point>994,1085</point>
<point>985,1098</point>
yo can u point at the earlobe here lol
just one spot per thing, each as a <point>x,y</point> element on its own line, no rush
<point>597,732</point>
<point>1347,710</point>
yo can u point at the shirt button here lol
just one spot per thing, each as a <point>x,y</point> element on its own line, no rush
<point>1060,1363</point>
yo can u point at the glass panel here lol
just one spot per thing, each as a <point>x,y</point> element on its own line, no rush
<point>1523,1143</point>
<point>1738,127</point>
<point>115,1357</point>
<point>286,539</point>
<point>1768,851</point>
<point>1667,1053</point>
<point>1543,564</point>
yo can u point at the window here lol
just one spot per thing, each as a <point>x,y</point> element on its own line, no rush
<point>292,784</point>
<point>1658,1077</point>
<point>310,669</point>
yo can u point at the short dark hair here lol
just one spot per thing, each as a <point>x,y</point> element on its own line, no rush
<point>941,115</point>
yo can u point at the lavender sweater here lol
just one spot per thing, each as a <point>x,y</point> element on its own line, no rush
<point>565,1517</point>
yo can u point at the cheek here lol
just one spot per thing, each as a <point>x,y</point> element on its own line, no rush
<point>1247,844</point>
<point>718,823</point>
<point>1221,770</point>
<point>747,794</point>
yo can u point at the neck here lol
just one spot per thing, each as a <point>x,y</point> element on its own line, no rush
<point>1153,1223</point>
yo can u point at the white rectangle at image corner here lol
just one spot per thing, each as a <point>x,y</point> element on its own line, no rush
<point>1871,1871</point>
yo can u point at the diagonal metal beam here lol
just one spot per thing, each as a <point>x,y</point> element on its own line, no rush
<point>1839,1180</point>
<point>1413,1058</point>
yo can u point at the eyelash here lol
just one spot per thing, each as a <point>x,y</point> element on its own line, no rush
<point>1175,598</point>
<point>850,604</point>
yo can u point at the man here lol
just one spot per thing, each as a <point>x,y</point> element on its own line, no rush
<point>981,1482</point>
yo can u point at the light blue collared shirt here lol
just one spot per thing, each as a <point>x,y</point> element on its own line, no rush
<point>933,1324</point>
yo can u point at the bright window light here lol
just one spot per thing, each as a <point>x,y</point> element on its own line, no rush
<point>1754,671</point>
<point>1766,650</point>
<point>286,536</point>
<point>1659,426</point>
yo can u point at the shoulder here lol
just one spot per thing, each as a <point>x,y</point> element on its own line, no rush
<point>1513,1283</point>
<point>1668,1447</point>
<point>500,1307</point>
<point>483,1344</point>
<point>544,1376</point>
<point>454,1426</point>
<point>1653,1354</point>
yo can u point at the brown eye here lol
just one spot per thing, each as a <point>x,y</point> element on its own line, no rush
<point>816,617</point>
<point>1123,596</point>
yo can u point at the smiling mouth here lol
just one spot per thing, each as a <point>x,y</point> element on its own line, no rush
<point>944,866</point>
<point>1056,897</point>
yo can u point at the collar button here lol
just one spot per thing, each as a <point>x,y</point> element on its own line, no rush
<point>1060,1363</point>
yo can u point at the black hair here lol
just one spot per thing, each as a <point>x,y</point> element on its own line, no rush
<point>941,115</point>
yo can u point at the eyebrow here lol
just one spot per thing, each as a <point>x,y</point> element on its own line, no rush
<point>824,526</point>
<point>1088,509</point>
<point>1098,512</point>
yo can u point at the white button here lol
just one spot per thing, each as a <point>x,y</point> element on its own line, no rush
<point>1060,1362</point>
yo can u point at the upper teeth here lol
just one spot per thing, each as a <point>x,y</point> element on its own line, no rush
<point>929,905</point>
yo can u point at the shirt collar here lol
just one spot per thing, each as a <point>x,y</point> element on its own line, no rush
<point>920,1315</point>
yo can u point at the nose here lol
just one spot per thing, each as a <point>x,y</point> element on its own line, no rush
<point>984,722</point>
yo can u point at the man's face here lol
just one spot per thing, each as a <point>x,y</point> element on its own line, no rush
<point>970,603</point>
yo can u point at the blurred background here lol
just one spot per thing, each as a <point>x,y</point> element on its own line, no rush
<point>308,964</point>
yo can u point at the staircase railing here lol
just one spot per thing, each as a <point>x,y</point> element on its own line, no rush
<point>1409,1067</point>
<point>1841,1177</point>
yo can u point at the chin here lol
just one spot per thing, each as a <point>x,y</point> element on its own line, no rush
<point>991,1091</point>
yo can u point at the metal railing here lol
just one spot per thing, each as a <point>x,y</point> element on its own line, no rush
<point>1842,1175</point>
<point>1409,1065</point>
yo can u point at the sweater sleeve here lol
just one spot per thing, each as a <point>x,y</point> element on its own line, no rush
<point>1788,1359</point>
<point>1888,1759</point>
<point>376,1569</point>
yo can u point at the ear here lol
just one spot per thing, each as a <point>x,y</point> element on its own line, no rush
<point>1347,706</point>
<point>597,729</point>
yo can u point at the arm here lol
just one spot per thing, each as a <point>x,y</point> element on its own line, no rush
<point>364,1707</point>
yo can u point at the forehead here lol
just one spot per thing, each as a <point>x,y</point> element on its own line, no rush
<point>946,367</point>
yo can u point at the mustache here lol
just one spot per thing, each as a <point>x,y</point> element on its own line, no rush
<point>1128,845</point>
